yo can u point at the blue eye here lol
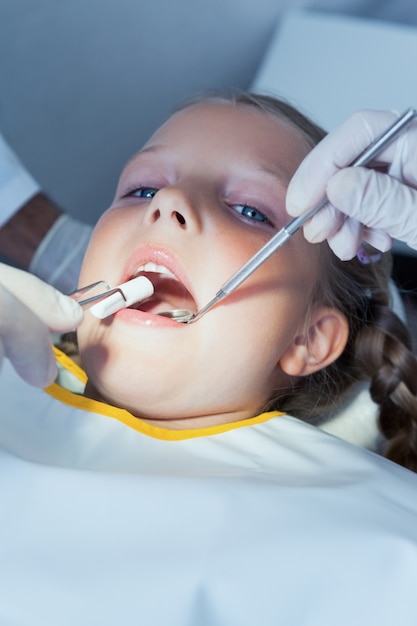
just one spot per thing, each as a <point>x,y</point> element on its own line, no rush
<point>143,192</point>
<point>251,213</point>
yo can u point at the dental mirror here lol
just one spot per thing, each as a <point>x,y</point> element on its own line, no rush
<point>283,235</point>
<point>179,315</point>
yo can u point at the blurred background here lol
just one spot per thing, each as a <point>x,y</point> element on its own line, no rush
<point>84,82</point>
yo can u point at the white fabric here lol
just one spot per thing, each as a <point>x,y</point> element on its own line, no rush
<point>17,186</point>
<point>59,256</point>
<point>276,523</point>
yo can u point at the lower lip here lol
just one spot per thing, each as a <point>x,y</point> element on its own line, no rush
<point>139,318</point>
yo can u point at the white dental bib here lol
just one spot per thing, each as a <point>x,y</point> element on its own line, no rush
<point>268,522</point>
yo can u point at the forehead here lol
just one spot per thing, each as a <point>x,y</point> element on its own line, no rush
<point>232,130</point>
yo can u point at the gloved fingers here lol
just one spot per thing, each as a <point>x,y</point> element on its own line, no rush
<point>324,224</point>
<point>403,160</point>
<point>378,239</point>
<point>25,340</point>
<point>338,150</point>
<point>346,241</point>
<point>378,201</point>
<point>58,312</point>
<point>344,234</point>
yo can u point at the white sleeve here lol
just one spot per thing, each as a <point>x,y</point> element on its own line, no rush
<point>58,257</point>
<point>17,186</point>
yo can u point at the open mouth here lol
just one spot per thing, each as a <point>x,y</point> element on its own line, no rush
<point>170,293</point>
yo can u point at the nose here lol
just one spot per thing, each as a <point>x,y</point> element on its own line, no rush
<point>175,205</point>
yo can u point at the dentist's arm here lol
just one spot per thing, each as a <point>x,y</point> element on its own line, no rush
<point>365,204</point>
<point>29,310</point>
<point>34,233</point>
<point>22,233</point>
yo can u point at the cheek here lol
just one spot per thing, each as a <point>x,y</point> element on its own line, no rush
<point>291,272</point>
<point>286,285</point>
<point>104,247</point>
<point>230,250</point>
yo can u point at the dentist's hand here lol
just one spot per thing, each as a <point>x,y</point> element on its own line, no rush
<point>29,309</point>
<point>365,205</point>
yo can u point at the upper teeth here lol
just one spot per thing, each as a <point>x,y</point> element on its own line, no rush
<point>153,267</point>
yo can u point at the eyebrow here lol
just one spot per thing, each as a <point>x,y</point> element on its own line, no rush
<point>141,151</point>
<point>279,173</point>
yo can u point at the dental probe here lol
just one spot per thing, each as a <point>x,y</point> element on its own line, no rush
<point>292,227</point>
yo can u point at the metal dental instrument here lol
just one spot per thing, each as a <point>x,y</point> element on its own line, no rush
<point>111,301</point>
<point>282,236</point>
<point>86,303</point>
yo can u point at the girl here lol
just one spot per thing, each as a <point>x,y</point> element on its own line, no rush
<point>172,487</point>
<point>304,327</point>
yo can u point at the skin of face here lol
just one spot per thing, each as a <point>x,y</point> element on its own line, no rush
<point>203,195</point>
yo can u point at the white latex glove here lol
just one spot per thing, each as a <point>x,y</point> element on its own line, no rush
<point>59,256</point>
<point>365,205</point>
<point>29,309</point>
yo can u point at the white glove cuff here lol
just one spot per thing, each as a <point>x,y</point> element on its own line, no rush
<point>58,258</point>
<point>17,186</point>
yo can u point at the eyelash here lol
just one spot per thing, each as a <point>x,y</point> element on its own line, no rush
<point>147,191</point>
<point>247,207</point>
<point>136,190</point>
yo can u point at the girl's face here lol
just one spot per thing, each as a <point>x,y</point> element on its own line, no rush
<point>204,194</point>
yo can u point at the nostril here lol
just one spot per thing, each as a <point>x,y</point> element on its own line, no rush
<point>180,218</point>
<point>155,216</point>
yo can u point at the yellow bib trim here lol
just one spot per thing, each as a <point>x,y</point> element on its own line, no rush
<point>107,410</point>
